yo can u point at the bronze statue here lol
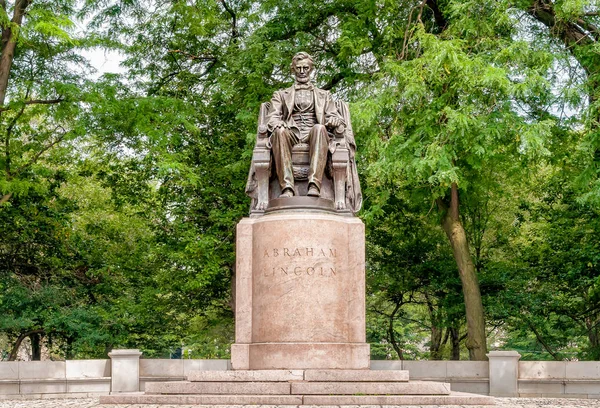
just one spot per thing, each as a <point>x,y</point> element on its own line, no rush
<point>309,138</point>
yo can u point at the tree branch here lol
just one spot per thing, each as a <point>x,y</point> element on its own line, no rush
<point>440,20</point>
<point>543,342</point>
<point>37,102</point>
<point>5,198</point>
<point>391,332</point>
<point>589,27</point>
<point>234,30</point>
<point>9,130</point>
<point>42,151</point>
<point>307,24</point>
<point>571,34</point>
<point>337,78</point>
<point>192,56</point>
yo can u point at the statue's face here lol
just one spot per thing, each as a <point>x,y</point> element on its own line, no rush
<point>302,70</point>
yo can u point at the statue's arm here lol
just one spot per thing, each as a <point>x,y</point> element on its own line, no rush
<point>276,112</point>
<point>332,116</point>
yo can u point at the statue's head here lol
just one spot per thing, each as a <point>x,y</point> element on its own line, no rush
<point>302,65</point>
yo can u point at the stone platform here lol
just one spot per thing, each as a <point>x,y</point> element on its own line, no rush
<point>299,387</point>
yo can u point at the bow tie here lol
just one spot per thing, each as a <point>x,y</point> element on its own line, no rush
<point>307,86</point>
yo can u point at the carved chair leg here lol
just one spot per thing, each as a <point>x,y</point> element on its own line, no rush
<point>262,161</point>
<point>340,167</point>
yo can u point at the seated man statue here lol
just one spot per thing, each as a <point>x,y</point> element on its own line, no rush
<point>302,114</point>
<point>305,135</point>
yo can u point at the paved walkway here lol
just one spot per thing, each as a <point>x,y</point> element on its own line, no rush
<point>500,402</point>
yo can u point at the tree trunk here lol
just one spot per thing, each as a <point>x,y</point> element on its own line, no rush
<point>437,332</point>
<point>15,350</point>
<point>454,334</point>
<point>592,325</point>
<point>436,343</point>
<point>7,53</point>
<point>9,43</point>
<point>455,231</point>
<point>36,349</point>
<point>391,332</point>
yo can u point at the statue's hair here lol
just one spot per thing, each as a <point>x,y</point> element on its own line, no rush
<point>301,56</point>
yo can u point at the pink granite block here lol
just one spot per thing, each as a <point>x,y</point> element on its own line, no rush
<point>226,400</point>
<point>356,375</point>
<point>300,285</point>
<point>240,356</point>
<point>419,400</point>
<point>272,356</point>
<point>305,286</point>
<point>350,388</point>
<point>185,387</point>
<point>243,282</point>
<point>247,375</point>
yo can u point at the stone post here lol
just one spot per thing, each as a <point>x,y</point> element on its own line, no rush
<point>504,373</point>
<point>125,371</point>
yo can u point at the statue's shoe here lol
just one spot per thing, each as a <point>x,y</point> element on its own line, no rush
<point>286,193</point>
<point>313,191</point>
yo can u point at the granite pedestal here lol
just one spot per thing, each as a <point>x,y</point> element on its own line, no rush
<point>300,293</point>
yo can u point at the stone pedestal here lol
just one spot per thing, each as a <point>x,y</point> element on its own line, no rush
<point>125,371</point>
<point>504,373</point>
<point>300,293</point>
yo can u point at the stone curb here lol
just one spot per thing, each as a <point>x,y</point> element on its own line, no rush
<point>500,402</point>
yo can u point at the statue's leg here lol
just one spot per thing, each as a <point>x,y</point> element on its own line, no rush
<point>282,141</point>
<point>318,139</point>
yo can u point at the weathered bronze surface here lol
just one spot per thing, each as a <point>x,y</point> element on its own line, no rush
<point>305,147</point>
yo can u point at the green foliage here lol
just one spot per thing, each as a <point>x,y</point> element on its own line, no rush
<point>124,191</point>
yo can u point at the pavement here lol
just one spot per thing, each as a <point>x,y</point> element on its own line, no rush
<point>500,402</point>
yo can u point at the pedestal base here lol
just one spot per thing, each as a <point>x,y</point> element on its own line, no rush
<point>274,356</point>
<point>300,293</point>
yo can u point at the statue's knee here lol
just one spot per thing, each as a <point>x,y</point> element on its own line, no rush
<point>278,133</point>
<point>319,128</point>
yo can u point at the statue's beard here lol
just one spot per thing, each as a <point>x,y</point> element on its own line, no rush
<point>303,80</point>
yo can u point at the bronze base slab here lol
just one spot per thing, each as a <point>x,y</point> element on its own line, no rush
<point>304,203</point>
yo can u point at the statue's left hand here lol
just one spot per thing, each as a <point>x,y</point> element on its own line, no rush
<point>333,122</point>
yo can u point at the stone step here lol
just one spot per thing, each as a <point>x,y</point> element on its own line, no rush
<point>371,388</point>
<point>247,375</point>
<point>455,398</point>
<point>300,375</point>
<point>299,388</point>
<point>202,399</point>
<point>356,375</point>
<point>186,387</point>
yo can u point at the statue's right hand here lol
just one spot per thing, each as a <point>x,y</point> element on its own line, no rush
<point>280,124</point>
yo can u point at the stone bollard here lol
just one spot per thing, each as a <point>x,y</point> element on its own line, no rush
<point>125,371</point>
<point>504,373</point>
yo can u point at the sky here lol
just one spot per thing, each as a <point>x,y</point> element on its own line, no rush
<point>104,61</point>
